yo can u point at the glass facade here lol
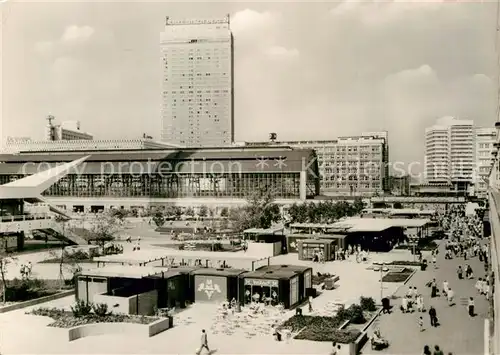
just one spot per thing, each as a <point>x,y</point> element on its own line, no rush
<point>236,185</point>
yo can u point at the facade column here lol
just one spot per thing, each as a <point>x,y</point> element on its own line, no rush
<point>303,185</point>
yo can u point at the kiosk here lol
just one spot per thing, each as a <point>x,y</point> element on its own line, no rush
<point>310,247</point>
<point>216,285</point>
<point>268,286</point>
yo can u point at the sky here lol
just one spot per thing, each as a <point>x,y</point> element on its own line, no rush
<point>303,70</point>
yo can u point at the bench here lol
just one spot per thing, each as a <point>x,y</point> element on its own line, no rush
<point>329,283</point>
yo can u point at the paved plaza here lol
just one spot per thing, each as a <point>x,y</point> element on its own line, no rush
<point>355,280</point>
<point>458,333</point>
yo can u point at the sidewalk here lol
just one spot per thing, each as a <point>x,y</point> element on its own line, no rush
<point>458,333</point>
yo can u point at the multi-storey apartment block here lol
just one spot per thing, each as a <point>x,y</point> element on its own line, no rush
<point>349,166</point>
<point>485,140</point>
<point>449,153</point>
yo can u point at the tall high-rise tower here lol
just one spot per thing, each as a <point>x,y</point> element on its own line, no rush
<point>197,84</point>
<point>450,152</point>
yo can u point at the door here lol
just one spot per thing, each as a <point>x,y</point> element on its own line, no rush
<point>307,280</point>
<point>294,290</point>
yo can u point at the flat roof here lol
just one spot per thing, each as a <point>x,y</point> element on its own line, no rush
<point>399,210</point>
<point>279,274</point>
<point>317,236</point>
<point>357,224</point>
<point>316,241</point>
<point>145,256</point>
<point>264,230</point>
<point>296,268</point>
<point>312,225</point>
<point>218,272</point>
<point>132,272</point>
<point>166,161</point>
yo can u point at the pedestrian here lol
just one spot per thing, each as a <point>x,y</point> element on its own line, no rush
<point>437,351</point>
<point>309,301</point>
<point>427,350</point>
<point>421,323</point>
<point>204,342</point>
<point>470,306</point>
<point>446,286</point>
<point>433,316</point>
<point>434,261</point>
<point>433,288</point>
<point>450,296</point>
<point>460,272</point>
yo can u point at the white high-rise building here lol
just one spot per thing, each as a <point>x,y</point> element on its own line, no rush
<point>485,140</point>
<point>450,152</point>
<point>197,85</point>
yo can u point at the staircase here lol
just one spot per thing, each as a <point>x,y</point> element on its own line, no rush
<point>68,236</point>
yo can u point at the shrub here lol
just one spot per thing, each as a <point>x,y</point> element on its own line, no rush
<point>25,290</point>
<point>356,315</point>
<point>77,255</point>
<point>100,309</point>
<point>53,313</point>
<point>81,309</point>
<point>367,304</point>
<point>342,314</point>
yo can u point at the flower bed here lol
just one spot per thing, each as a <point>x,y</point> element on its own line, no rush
<point>405,263</point>
<point>66,319</point>
<point>338,336</point>
<point>320,278</point>
<point>30,289</point>
<point>316,328</point>
<point>398,276</point>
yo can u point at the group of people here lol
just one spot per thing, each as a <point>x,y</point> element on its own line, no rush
<point>345,253</point>
<point>413,300</point>
<point>26,270</point>
<point>463,241</point>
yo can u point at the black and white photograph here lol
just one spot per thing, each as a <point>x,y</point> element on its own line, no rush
<point>235,177</point>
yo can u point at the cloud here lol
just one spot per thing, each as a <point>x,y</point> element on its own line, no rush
<point>247,21</point>
<point>72,35</point>
<point>304,70</point>
<point>76,33</point>
<point>278,52</point>
<point>44,47</point>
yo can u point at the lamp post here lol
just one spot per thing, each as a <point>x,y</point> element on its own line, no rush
<point>382,267</point>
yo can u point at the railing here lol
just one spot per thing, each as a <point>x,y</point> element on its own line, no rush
<point>26,217</point>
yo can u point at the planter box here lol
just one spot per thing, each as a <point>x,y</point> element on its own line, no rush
<point>357,345</point>
<point>36,301</point>
<point>144,330</point>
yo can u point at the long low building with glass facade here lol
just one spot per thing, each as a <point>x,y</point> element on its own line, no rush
<point>211,176</point>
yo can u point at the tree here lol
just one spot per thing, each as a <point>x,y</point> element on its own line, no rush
<point>224,212</point>
<point>5,260</point>
<point>259,212</point>
<point>189,212</point>
<point>159,219</point>
<point>298,213</point>
<point>104,229</point>
<point>358,205</point>
<point>177,212</point>
<point>203,211</point>
<point>62,222</point>
<point>120,214</point>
